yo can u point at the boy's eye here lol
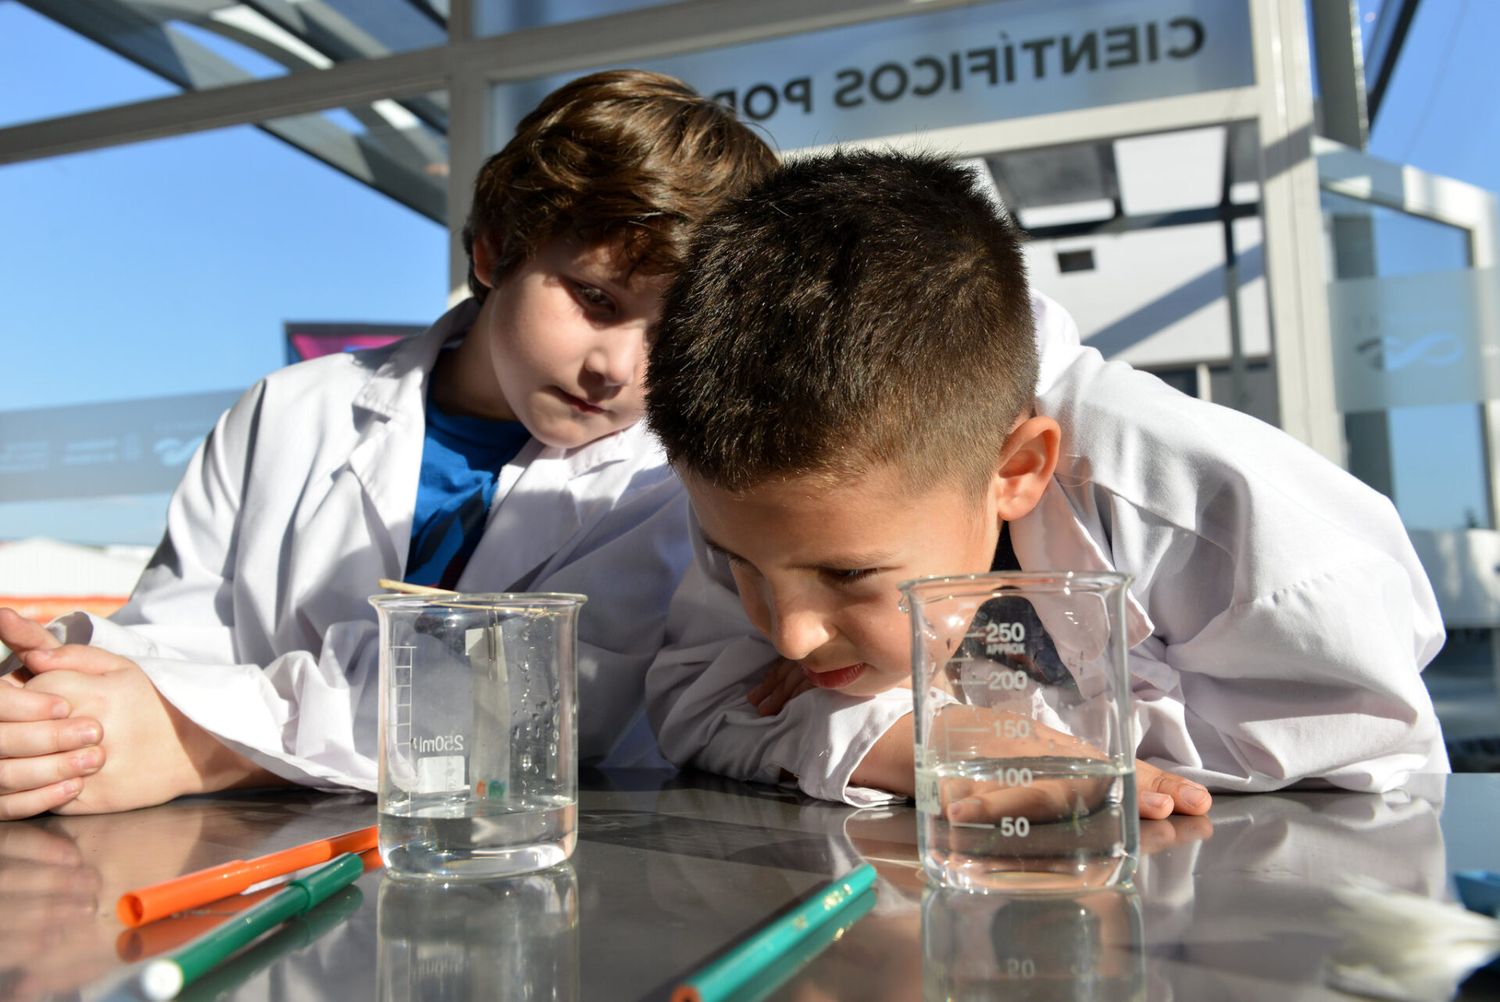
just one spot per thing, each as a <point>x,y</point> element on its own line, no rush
<point>595,299</point>
<point>848,576</point>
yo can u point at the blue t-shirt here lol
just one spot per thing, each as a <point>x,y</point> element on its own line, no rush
<point>461,462</point>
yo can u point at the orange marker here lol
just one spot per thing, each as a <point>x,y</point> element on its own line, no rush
<point>148,904</point>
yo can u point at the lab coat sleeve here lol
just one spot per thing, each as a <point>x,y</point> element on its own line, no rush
<point>179,626</point>
<point>257,710</point>
<point>695,696</point>
<point>1316,681</point>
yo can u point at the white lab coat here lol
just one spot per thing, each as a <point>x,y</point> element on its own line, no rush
<point>1278,619</point>
<point>252,618</point>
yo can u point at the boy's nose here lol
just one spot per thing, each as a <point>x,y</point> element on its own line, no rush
<point>617,359</point>
<point>797,632</point>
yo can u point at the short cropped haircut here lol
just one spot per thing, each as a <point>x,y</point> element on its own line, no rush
<point>854,309</point>
<point>624,157</point>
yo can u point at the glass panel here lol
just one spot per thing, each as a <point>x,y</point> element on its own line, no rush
<point>980,63</point>
<point>1156,297</point>
<point>1371,240</point>
<point>47,71</point>
<point>1183,380</point>
<point>1369,16</point>
<point>1439,463</point>
<point>147,285</point>
<point>1416,340</point>
<point>1410,322</point>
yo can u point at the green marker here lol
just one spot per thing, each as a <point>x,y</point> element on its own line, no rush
<point>297,933</point>
<point>164,978</point>
<point>777,948</point>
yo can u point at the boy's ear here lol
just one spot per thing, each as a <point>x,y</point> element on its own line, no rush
<point>1027,461</point>
<point>484,260</point>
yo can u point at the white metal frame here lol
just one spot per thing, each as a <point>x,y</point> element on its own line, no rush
<point>1296,267</point>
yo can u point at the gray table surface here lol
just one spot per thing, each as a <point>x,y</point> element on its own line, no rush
<point>672,868</point>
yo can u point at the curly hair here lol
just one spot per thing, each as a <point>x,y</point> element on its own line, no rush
<point>625,157</point>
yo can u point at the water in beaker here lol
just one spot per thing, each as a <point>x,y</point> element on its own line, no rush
<point>478,717</point>
<point>1025,759</point>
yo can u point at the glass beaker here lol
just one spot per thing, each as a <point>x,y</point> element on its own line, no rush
<point>511,938</point>
<point>478,717</point>
<point>1024,748</point>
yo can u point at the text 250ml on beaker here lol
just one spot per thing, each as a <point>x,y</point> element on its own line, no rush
<point>1024,748</point>
<point>478,717</point>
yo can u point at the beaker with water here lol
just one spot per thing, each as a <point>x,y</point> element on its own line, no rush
<point>478,722</point>
<point>1024,747</point>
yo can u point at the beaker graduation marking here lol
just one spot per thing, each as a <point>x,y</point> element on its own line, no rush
<point>402,658</point>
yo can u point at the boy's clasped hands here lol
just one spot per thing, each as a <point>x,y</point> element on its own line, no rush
<point>83,731</point>
<point>49,742</point>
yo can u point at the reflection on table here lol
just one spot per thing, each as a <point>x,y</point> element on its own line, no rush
<point>671,869</point>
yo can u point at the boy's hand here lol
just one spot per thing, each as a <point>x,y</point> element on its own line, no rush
<point>147,752</point>
<point>152,752</point>
<point>21,635</point>
<point>890,765</point>
<point>784,681</point>
<point>45,749</point>
<point>1160,794</point>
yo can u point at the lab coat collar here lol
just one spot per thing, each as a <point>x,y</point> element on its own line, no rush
<point>1057,341</point>
<point>405,370</point>
<point>541,498</point>
<point>1051,537</point>
<point>389,411</point>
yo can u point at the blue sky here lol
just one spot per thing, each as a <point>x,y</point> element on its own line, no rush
<point>169,267</point>
<point>1440,113</point>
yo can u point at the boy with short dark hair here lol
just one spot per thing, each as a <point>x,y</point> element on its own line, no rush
<point>857,388</point>
<point>500,451</point>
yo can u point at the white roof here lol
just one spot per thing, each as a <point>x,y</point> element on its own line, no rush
<point>48,567</point>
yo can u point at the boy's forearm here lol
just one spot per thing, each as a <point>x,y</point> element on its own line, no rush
<point>890,763</point>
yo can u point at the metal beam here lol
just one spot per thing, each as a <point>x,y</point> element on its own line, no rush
<point>391,160</point>
<point>1296,273</point>
<point>651,33</point>
<point>1341,71</point>
<point>1385,49</point>
<point>468,142</point>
